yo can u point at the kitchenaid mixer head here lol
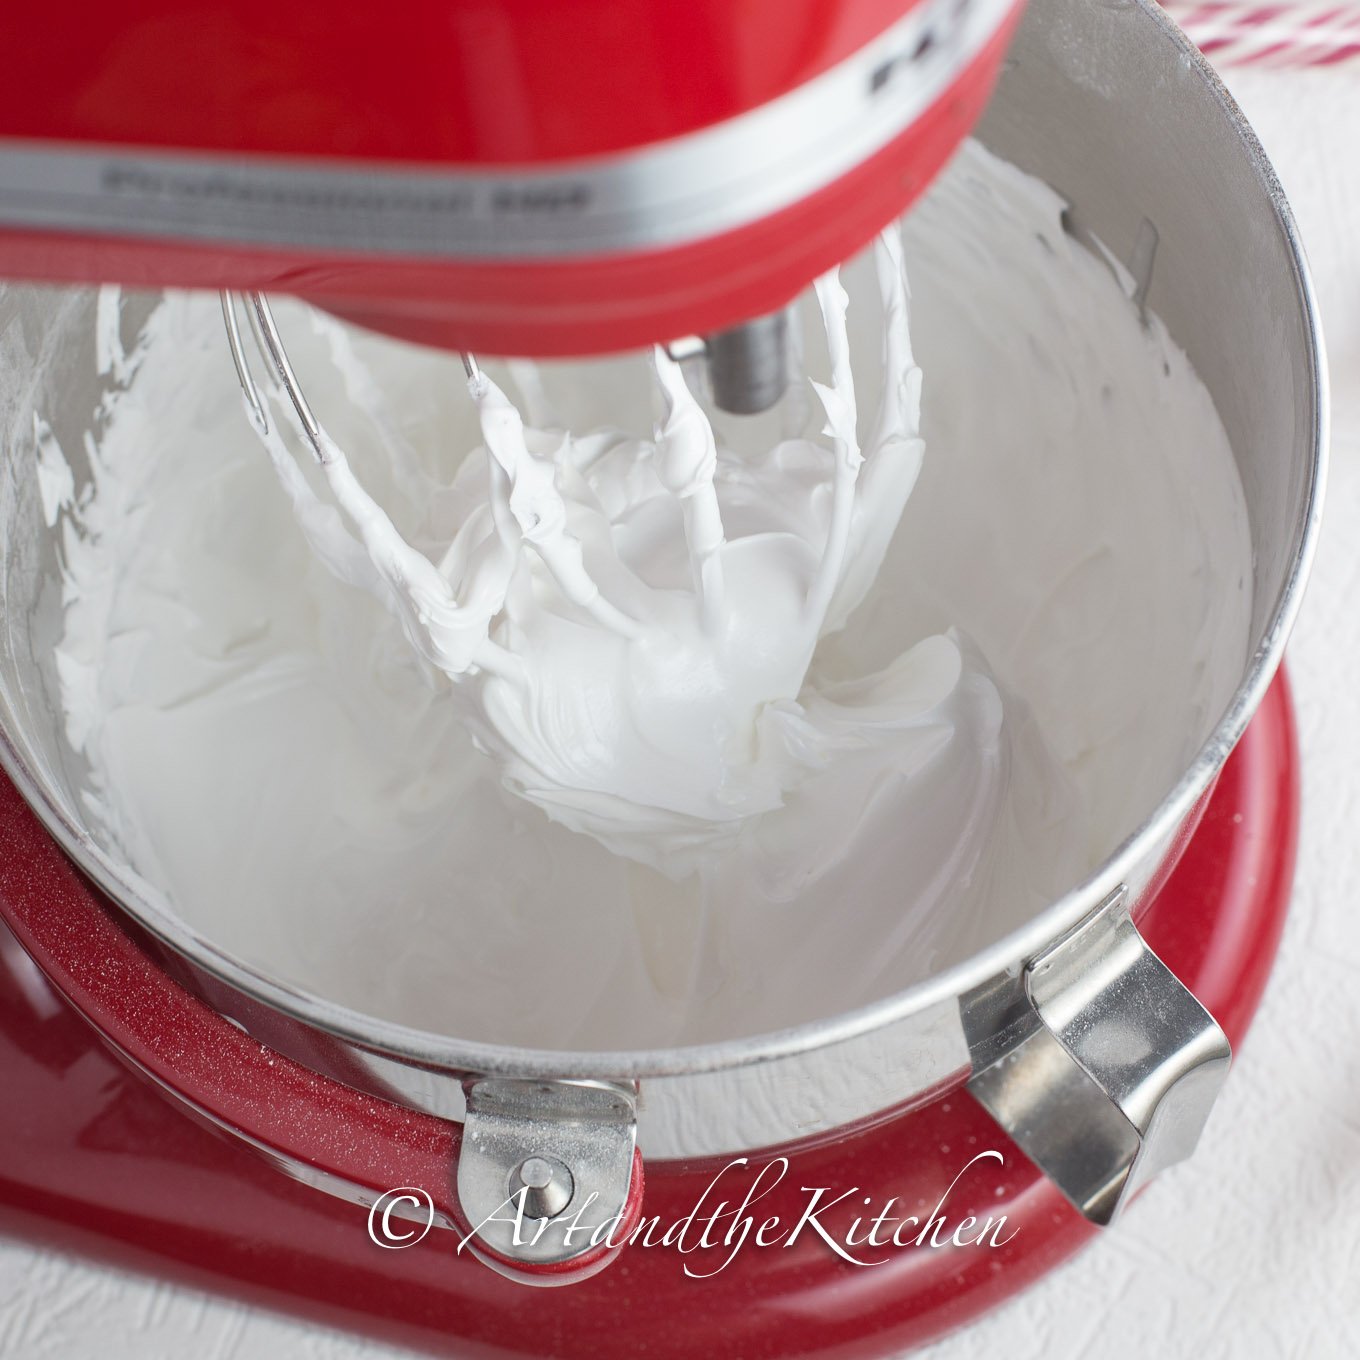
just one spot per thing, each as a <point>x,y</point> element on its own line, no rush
<point>569,189</point>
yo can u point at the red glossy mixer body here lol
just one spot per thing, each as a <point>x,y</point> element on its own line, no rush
<point>523,177</point>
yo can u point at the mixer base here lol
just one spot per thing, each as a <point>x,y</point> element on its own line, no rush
<point>99,1162</point>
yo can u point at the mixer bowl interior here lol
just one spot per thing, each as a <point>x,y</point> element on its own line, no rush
<point>1104,103</point>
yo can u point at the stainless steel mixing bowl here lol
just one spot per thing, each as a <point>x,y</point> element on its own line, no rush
<point>1107,101</point>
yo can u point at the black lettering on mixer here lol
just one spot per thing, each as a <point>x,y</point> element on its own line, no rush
<point>512,199</point>
<point>941,29</point>
<point>218,187</point>
<point>542,199</point>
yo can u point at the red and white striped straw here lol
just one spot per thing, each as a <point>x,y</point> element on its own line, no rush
<point>1286,33</point>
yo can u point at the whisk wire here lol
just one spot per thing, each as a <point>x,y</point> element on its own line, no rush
<point>267,336</point>
<point>269,344</point>
<point>238,355</point>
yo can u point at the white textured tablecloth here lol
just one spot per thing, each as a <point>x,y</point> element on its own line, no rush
<point>1250,1250</point>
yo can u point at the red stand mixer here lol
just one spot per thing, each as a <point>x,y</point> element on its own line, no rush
<point>533,178</point>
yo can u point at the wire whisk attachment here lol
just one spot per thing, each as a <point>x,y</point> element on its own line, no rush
<point>270,347</point>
